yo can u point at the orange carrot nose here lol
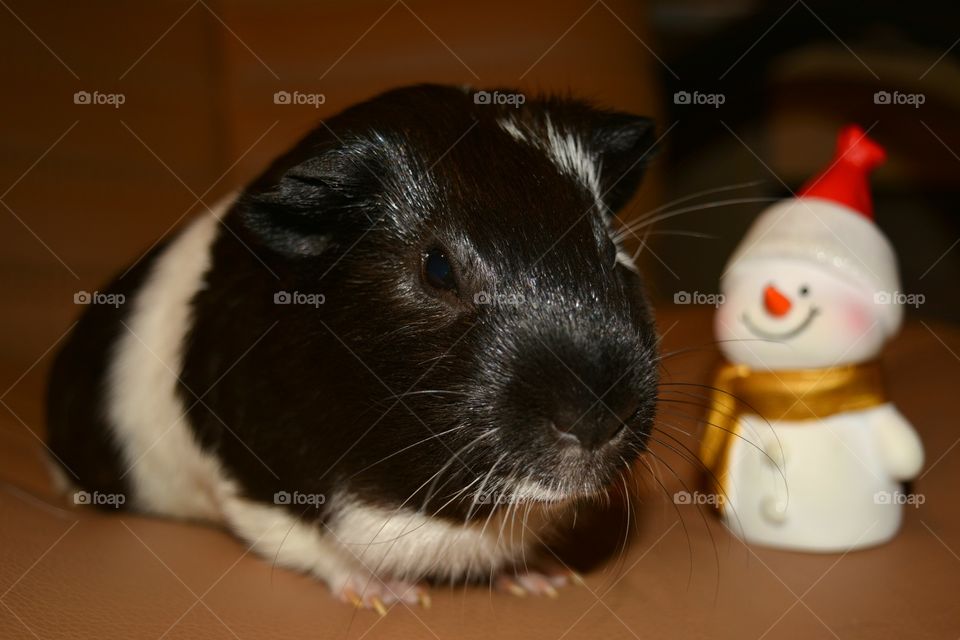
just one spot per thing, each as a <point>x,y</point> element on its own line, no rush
<point>776,303</point>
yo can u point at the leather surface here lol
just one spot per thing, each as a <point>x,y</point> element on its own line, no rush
<point>79,573</point>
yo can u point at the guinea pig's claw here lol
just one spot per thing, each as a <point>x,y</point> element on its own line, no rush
<point>349,595</point>
<point>378,595</point>
<point>535,583</point>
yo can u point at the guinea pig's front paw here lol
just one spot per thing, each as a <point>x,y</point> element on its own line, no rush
<point>529,582</point>
<point>369,592</point>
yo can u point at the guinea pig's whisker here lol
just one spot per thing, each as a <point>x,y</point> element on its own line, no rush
<point>683,522</point>
<point>693,196</point>
<point>435,476</point>
<point>477,495</point>
<point>424,392</point>
<point>701,404</point>
<point>709,424</point>
<point>683,233</point>
<point>453,458</point>
<point>434,359</point>
<point>713,389</point>
<point>618,239</point>
<point>628,516</point>
<point>698,194</point>
<point>740,437</point>
<point>514,500</point>
<point>399,509</point>
<point>703,346</point>
<point>683,452</point>
<point>706,346</point>
<point>407,448</point>
<point>456,495</point>
<point>483,485</point>
<point>631,229</point>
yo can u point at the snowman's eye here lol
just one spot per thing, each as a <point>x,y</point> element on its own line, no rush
<point>804,290</point>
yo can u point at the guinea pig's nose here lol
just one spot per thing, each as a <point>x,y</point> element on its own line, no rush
<point>775,302</point>
<point>586,430</point>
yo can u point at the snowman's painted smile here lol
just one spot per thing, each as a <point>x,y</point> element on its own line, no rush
<point>786,335</point>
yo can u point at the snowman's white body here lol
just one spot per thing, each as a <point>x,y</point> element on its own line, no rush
<point>824,485</point>
<point>832,483</point>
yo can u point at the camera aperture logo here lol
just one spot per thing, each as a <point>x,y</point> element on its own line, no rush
<point>110,299</point>
<point>298,98</point>
<point>699,99</point>
<point>98,499</point>
<point>297,498</point>
<point>97,98</point>
<point>515,100</point>
<point>296,297</point>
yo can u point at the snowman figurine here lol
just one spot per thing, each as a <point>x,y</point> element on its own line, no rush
<point>803,446</point>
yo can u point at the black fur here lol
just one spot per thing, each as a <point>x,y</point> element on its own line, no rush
<point>348,214</point>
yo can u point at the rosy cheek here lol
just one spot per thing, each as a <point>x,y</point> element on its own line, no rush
<point>856,319</point>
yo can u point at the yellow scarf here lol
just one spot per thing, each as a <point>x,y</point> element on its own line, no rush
<point>803,394</point>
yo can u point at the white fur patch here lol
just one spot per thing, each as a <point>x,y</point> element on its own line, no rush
<point>508,125</point>
<point>574,159</point>
<point>409,544</point>
<point>566,150</point>
<point>625,259</point>
<point>169,473</point>
<point>276,534</point>
<point>569,154</point>
<point>361,541</point>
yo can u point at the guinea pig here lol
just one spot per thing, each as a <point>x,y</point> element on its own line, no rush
<point>398,356</point>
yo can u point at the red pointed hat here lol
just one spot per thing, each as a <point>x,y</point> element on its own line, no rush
<point>830,223</point>
<point>846,179</point>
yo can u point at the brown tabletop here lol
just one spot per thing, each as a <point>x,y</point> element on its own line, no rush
<point>78,573</point>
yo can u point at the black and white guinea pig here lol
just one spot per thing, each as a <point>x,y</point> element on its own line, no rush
<point>413,327</point>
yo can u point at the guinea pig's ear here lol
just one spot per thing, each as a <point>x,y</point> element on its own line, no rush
<point>301,201</point>
<point>624,143</point>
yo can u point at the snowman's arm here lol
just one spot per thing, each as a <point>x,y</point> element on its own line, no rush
<point>900,448</point>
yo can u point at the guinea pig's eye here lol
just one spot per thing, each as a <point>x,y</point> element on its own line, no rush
<point>804,290</point>
<point>437,270</point>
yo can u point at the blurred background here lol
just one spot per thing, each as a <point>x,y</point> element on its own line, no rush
<point>121,120</point>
